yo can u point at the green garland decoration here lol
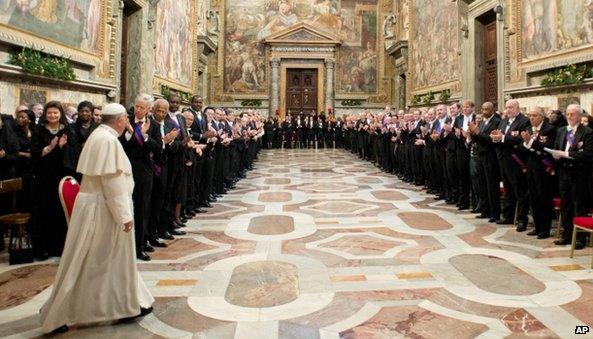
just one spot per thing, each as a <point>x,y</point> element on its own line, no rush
<point>251,103</point>
<point>568,75</point>
<point>351,102</point>
<point>37,62</point>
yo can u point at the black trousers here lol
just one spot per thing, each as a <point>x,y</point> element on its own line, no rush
<point>539,183</point>
<point>463,178</point>
<point>489,177</point>
<point>157,224</point>
<point>143,182</point>
<point>517,196</point>
<point>452,176</point>
<point>574,196</point>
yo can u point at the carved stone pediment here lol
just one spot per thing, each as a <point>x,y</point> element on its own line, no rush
<point>302,33</point>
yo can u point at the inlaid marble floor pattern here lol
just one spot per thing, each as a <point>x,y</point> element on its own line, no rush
<point>319,244</point>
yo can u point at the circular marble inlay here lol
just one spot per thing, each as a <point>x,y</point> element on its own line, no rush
<point>22,284</point>
<point>277,181</point>
<point>425,221</point>
<point>271,225</point>
<point>263,284</point>
<point>485,271</point>
<point>389,195</point>
<point>275,197</point>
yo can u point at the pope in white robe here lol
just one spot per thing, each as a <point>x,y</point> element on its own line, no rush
<point>97,279</point>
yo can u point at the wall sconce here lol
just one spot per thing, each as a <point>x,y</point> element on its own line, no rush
<point>465,30</point>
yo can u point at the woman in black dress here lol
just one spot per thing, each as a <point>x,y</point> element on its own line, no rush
<point>23,167</point>
<point>54,155</point>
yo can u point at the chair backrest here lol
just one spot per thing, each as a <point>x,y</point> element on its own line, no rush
<point>11,186</point>
<point>68,191</point>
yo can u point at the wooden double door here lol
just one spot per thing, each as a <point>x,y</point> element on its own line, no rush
<point>301,90</point>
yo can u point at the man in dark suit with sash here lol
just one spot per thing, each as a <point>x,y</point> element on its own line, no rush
<point>574,155</point>
<point>540,169</point>
<point>513,164</point>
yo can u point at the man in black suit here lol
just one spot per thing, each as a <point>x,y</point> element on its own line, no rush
<point>450,142</point>
<point>488,170</point>
<point>140,145</point>
<point>439,155</point>
<point>513,164</point>
<point>540,169</point>
<point>175,163</point>
<point>463,153</point>
<point>166,133</point>
<point>574,155</point>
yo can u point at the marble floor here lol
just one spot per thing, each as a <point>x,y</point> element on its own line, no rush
<point>318,244</point>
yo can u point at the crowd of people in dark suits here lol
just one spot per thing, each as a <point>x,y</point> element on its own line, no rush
<point>182,161</point>
<point>504,166</point>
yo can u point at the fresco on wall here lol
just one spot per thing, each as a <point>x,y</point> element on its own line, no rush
<point>554,25</point>
<point>174,41</point>
<point>250,22</point>
<point>76,23</point>
<point>435,43</point>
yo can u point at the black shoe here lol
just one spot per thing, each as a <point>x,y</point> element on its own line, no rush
<point>177,232</point>
<point>200,211</point>
<point>148,248</point>
<point>532,233</point>
<point>207,204</point>
<point>482,216</point>
<point>166,236</point>
<point>157,243</point>
<point>178,224</point>
<point>61,329</point>
<point>521,227</point>
<point>211,199</point>
<point>543,235</point>
<point>143,256</point>
<point>561,242</point>
<point>579,245</point>
<point>476,210</point>
<point>143,312</point>
<point>493,220</point>
<point>504,222</point>
<point>463,207</point>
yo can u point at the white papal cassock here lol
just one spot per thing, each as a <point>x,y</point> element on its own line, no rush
<point>97,279</point>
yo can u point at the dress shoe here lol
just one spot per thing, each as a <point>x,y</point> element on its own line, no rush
<point>148,248</point>
<point>493,220</point>
<point>143,256</point>
<point>200,211</point>
<point>178,224</point>
<point>157,243</point>
<point>463,207</point>
<point>166,236</point>
<point>207,204</point>
<point>561,242</point>
<point>143,312</point>
<point>177,232</point>
<point>521,227</point>
<point>579,245</point>
<point>481,216</point>
<point>532,233</point>
<point>543,235</point>
<point>211,199</point>
<point>183,219</point>
<point>61,329</point>
<point>476,210</point>
<point>504,222</point>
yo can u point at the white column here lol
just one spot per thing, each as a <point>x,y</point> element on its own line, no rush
<point>274,86</point>
<point>329,83</point>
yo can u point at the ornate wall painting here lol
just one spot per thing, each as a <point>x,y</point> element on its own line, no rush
<point>174,48</point>
<point>357,62</point>
<point>74,23</point>
<point>435,42</point>
<point>249,22</point>
<point>28,96</point>
<point>549,26</point>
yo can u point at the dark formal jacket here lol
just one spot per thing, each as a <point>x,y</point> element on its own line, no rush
<point>512,144</point>
<point>581,150</point>
<point>483,142</point>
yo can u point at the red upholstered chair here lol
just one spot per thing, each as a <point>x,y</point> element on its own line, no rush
<point>68,190</point>
<point>556,202</point>
<point>581,224</point>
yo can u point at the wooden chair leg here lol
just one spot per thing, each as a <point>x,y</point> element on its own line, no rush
<point>573,242</point>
